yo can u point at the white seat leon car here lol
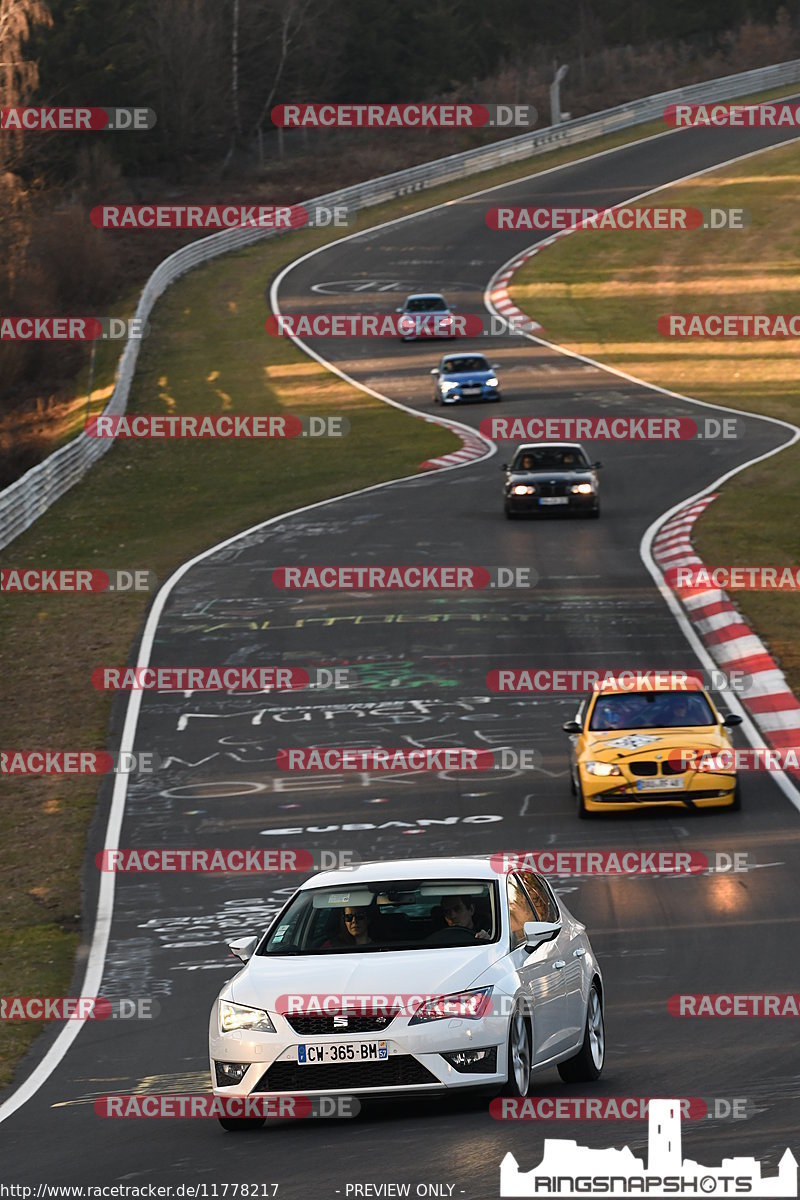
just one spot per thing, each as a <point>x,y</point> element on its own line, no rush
<point>398,978</point>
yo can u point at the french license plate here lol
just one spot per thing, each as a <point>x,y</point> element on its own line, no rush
<point>471,391</point>
<point>341,1052</point>
<point>645,785</point>
<point>554,499</point>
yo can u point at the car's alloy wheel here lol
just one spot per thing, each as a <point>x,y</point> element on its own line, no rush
<point>587,1064</point>
<point>519,1055</point>
<point>240,1124</point>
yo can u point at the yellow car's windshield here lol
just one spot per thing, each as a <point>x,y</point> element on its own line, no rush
<point>651,710</point>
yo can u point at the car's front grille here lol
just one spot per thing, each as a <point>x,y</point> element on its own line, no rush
<point>399,1070</point>
<point>552,488</point>
<point>325,1024</point>
<point>668,768</point>
<point>644,767</point>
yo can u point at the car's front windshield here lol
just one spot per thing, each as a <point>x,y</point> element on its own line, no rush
<point>460,366</point>
<point>426,304</point>
<point>552,458</point>
<point>387,915</point>
<point>651,710</point>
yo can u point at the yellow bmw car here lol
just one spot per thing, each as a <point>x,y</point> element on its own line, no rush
<point>631,749</point>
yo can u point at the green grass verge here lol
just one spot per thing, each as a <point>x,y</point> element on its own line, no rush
<point>601,293</point>
<point>154,506</point>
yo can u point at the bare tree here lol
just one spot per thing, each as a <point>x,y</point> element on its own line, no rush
<point>18,75</point>
<point>292,16</point>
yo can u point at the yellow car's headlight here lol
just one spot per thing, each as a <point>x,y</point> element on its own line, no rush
<point>602,768</point>
<point>241,1016</point>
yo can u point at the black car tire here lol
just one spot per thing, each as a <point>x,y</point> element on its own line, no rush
<point>584,1067</point>
<point>519,1055</point>
<point>510,513</point>
<point>737,798</point>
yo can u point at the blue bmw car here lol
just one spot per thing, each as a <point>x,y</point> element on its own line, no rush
<point>465,377</point>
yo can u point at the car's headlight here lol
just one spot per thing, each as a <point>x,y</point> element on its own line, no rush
<point>523,489</point>
<point>240,1016</point>
<point>582,489</point>
<point>448,387</point>
<point>469,1006</point>
<point>602,768</point>
<point>492,381</point>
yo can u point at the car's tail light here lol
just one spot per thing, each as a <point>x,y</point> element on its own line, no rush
<point>468,1006</point>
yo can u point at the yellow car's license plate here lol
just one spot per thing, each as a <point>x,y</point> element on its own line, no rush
<point>661,785</point>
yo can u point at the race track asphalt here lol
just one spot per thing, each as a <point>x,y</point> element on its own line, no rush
<point>421,661</point>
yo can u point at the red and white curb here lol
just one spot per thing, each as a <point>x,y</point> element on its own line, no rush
<point>498,291</point>
<point>473,446</point>
<point>729,640</point>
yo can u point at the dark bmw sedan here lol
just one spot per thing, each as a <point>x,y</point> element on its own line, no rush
<point>551,477</point>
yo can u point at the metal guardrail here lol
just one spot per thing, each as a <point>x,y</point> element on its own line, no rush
<point>25,500</point>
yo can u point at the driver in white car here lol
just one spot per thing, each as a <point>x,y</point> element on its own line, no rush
<point>457,913</point>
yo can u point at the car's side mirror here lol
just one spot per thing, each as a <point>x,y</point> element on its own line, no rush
<point>538,932</point>
<point>494,366</point>
<point>435,371</point>
<point>504,467</point>
<point>731,719</point>
<point>571,727</point>
<point>243,947</point>
<point>597,466</point>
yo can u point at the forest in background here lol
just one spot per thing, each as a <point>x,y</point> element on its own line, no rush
<point>213,69</point>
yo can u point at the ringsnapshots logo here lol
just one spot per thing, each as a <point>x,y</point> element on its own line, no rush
<point>567,1169</point>
<point>404,116</point>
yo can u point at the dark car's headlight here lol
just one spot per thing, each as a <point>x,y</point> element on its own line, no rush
<point>582,489</point>
<point>523,489</point>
